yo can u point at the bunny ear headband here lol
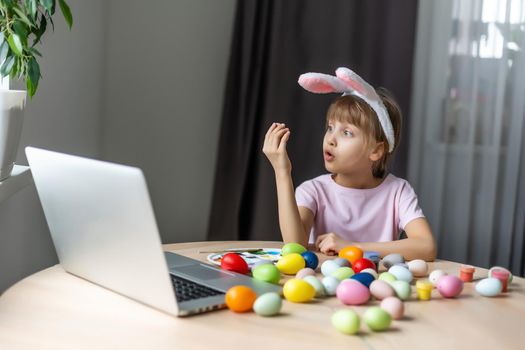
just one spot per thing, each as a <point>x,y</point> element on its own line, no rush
<point>349,83</point>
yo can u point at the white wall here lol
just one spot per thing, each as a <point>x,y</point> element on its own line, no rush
<point>135,82</point>
<point>166,73</point>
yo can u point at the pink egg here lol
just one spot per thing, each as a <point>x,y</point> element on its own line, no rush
<point>450,286</point>
<point>381,290</point>
<point>352,292</point>
<point>394,306</point>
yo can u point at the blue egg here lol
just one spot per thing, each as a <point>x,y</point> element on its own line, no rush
<point>364,277</point>
<point>311,259</point>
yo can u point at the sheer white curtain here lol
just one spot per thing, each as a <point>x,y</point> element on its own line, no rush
<point>467,148</point>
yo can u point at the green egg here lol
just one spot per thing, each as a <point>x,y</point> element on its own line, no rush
<point>268,304</point>
<point>387,277</point>
<point>346,321</point>
<point>377,319</point>
<point>290,248</point>
<point>343,273</point>
<point>402,289</point>
<point>267,273</point>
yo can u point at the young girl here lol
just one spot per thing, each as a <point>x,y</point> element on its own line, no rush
<point>358,202</point>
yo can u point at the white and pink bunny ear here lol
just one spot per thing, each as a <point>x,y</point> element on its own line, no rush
<point>355,82</point>
<point>321,83</point>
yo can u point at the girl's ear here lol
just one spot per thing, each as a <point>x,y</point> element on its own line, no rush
<point>377,152</point>
<point>321,83</point>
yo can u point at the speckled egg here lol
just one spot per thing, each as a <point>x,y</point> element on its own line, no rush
<point>401,273</point>
<point>298,291</point>
<point>330,284</point>
<point>381,290</point>
<point>372,272</point>
<point>377,319</point>
<point>392,259</point>
<point>318,286</point>
<point>267,273</point>
<point>302,273</point>
<point>291,264</point>
<point>394,306</point>
<point>351,292</point>
<point>387,277</point>
<point>402,289</point>
<point>435,276</point>
<point>418,267</point>
<point>342,262</point>
<point>489,287</point>
<point>311,259</point>
<point>343,273</point>
<point>328,267</point>
<point>450,286</point>
<point>346,321</point>
<point>268,304</point>
<point>364,278</point>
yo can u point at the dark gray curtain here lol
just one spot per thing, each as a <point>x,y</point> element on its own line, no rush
<point>273,43</point>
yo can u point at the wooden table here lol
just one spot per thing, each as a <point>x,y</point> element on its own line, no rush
<point>55,310</point>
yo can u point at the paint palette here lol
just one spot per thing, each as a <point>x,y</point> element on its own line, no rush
<point>251,256</point>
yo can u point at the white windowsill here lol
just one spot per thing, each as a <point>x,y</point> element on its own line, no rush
<point>19,179</point>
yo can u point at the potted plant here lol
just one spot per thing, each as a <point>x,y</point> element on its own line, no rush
<point>22,25</point>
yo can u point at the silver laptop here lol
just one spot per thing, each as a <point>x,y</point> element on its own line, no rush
<point>104,230</point>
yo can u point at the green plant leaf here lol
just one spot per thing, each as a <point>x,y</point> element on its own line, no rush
<point>41,30</point>
<point>66,11</point>
<point>33,75</point>
<point>30,89</point>
<point>21,31</point>
<point>4,49</point>
<point>31,7</point>
<point>22,16</point>
<point>15,44</point>
<point>49,5</point>
<point>7,66</point>
<point>35,51</point>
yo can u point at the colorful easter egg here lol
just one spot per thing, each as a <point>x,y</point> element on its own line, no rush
<point>268,304</point>
<point>351,292</point>
<point>302,273</point>
<point>435,276</point>
<point>346,321</point>
<point>450,286</point>
<point>240,298</point>
<point>364,278</point>
<point>418,267</point>
<point>318,286</point>
<point>392,259</point>
<point>361,264</point>
<point>351,253</point>
<point>401,273</point>
<point>489,287</point>
<point>267,273</point>
<point>381,290</point>
<point>342,262</point>
<point>234,262</point>
<point>298,291</point>
<point>330,284</point>
<point>377,319</point>
<point>402,289</point>
<point>387,277</point>
<point>343,273</point>
<point>394,306</point>
<point>372,272</point>
<point>290,248</point>
<point>290,264</point>
<point>311,259</point>
<point>328,267</point>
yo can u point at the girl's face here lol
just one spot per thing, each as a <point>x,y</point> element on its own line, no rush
<point>345,150</point>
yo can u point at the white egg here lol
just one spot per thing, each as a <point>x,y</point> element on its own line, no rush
<point>328,267</point>
<point>318,286</point>
<point>330,284</point>
<point>268,304</point>
<point>435,276</point>
<point>489,287</point>
<point>418,267</point>
<point>371,271</point>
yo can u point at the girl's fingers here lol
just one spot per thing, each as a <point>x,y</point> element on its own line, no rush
<point>277,136</point>
<point>284,140</point>
<point>270,129</point>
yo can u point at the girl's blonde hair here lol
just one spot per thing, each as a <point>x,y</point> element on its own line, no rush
<point>356,111</point>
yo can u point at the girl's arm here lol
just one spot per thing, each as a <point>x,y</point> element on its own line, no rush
<point>294,222</point>
<point>419,243</point>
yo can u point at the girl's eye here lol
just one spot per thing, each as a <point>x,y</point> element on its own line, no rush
<point>348,133</point>
<point>329,128</point>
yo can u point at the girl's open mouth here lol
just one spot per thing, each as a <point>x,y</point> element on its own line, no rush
<point>328,156</point>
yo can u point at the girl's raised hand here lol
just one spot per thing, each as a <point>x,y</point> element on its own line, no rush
<point>275,147</point>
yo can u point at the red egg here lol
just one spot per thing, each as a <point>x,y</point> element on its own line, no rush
<point>363,263</point>
<point>234,262</point>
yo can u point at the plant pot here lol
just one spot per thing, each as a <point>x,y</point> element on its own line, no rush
<point>12,105</point>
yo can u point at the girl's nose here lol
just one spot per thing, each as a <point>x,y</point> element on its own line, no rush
<point>331,140</point>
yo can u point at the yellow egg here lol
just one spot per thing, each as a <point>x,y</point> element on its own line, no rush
<point>291,264</point>
<point>298,291</point>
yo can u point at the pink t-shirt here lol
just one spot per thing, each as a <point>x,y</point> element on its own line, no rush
<point>360,215</point>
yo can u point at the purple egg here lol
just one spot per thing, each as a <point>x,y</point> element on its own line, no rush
<point>450,286</point>
<point>352,292</point>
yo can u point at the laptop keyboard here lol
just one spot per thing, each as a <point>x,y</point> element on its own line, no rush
<point>187,290</point>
